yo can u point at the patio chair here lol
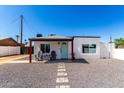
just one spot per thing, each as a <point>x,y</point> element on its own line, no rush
<point>40,56</point>
<point>53,55</point>
<point>47,56</point>
<point>36,58</point>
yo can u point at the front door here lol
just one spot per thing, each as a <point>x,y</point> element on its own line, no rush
<point>64,50</point>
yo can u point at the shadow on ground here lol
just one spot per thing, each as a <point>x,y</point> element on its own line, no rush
<point>56,61</point>
<point>68,61</point>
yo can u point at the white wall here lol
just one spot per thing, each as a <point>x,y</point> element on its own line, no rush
<point>103,50</point>
<point>118,54</point>
<point>106,50</point>
<point>53,46</point>
<point>9,50</point>
<point>78,47</point>
<point>69,50</point>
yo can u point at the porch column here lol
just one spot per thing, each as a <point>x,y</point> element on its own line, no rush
<point>30,52</point>
<point>72,50</point>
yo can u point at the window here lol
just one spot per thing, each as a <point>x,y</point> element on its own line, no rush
<point>85,48</point>
<point>45,48</point>
<point>42,48</point>
<point>92,48</point>
<point>89,48</point>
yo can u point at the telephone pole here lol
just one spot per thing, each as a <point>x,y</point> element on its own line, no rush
<point>110,39</point>
<point>21,29</point>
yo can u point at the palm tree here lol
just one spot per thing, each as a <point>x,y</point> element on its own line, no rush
<point>17,38</point>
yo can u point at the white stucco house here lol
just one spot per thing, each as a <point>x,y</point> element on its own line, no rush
<point>72,47</point>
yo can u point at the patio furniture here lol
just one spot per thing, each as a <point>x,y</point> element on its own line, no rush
<point>46,56</point>
<point>53,55</point>
<point>40,56</point>
<point>36,58</point>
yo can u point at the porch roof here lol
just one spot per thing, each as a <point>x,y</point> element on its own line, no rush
<point>52,38</point>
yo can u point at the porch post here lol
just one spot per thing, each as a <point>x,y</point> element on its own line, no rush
<point>30,52</point>
<point>72,50</point>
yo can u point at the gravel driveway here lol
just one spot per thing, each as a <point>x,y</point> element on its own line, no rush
<point>91,73</point>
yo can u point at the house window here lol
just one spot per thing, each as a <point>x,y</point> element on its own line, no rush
<point>45,48</point>
<point>92,48</point>
<point>89,48</point>
<point>85,48</point>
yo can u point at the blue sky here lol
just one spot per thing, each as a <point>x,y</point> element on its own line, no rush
<point>104,21</point>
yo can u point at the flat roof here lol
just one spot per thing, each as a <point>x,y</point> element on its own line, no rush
<point>86,36</point>
<point>60,38</point>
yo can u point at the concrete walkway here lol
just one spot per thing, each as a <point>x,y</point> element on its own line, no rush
<point>9,59</point>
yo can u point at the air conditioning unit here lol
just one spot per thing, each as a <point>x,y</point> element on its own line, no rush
<point>39,35</point>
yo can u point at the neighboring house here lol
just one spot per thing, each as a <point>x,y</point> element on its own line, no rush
<point>8,42</point>
<point>77,47</point>
<point>9,46</point>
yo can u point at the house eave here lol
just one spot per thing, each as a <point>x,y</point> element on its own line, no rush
<point>51,39</point>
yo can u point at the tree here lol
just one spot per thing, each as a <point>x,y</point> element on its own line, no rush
<point>119,41</point>
<point>17,38</point>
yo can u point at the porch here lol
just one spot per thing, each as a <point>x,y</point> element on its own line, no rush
<point>62,46</point>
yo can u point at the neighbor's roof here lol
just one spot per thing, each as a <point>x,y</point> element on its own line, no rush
<point>8,42</point>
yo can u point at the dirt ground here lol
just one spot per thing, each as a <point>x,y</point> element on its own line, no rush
<point>8,59</point>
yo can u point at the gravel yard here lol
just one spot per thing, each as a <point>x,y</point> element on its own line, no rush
<point>99,73</point>
<point>88,73</point>
<point>27,75</point>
